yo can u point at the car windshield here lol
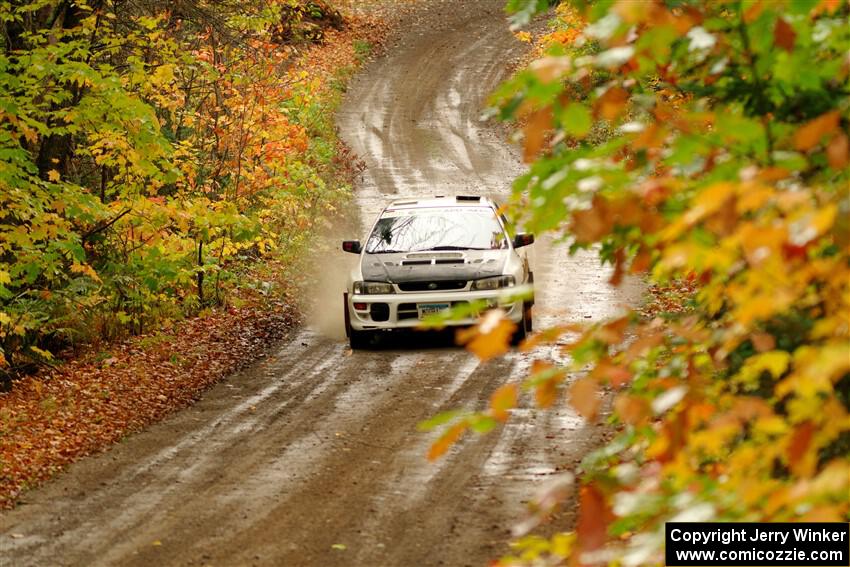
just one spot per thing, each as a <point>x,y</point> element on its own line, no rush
<point>467,228</point>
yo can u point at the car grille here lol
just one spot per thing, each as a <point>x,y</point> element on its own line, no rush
<point>426,285</point>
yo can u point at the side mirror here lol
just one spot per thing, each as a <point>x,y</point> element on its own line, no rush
<point>352,246</point>
<point>523,239</point>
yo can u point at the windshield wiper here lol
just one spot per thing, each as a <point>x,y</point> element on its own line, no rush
<point>386,251</point>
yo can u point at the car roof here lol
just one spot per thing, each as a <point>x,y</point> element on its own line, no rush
<point>441,201</point>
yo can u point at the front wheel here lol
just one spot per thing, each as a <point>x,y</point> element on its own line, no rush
<point>523,327</point>
<point>359,339</point>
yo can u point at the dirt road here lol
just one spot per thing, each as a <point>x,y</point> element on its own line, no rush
<point>311,457</point>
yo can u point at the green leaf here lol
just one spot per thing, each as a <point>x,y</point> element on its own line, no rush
<point>576,119</point>
<point>438,420</point>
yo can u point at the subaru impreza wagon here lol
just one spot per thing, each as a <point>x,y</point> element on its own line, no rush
<point>426,256</point>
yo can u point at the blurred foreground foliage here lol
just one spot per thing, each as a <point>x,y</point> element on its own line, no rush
<point>149,149</point>
<point>703,143</point>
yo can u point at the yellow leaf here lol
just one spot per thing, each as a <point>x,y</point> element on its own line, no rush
<point>53,175</point>
<point>775,362</point>
<point>42,353</point>
<point>811,225</point>
<point>5,277</point>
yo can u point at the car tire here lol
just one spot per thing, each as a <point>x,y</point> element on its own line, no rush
<point>521,328</point>
<point>359,340</point>
<point>527,317</point>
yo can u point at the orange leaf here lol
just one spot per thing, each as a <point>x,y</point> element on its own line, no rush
<point>653,136</point>
<point>641,262</point>
<point>502,400</point>
<point>827,6</point>
<point>617,375</point>
<point>798,448</point>
<point>592,224</point>
<point>837,152</point>
<point>583,397</point>
<point>619,268</point>
<point>545,393</point>
<point>446,440</point>
<point>631,12</point>
<point>784,35</point>
<point>632,409</point>
<point>491,337</point>
<point>811,133</point>
<point>612,103</point>
<point>538,125</point>
<point>594,516</point>
<point>752,13</point>
<point>547,336</point>
<point>613,331</point>
<point>763,342</point>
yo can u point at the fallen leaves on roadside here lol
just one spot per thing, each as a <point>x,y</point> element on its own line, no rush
<point>51,419</point>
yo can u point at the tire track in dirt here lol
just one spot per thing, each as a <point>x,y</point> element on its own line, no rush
<point>314,448</point>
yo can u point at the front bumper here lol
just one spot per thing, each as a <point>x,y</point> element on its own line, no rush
<point>399,310</point>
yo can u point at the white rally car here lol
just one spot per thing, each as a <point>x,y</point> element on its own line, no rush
<point>425,256</point>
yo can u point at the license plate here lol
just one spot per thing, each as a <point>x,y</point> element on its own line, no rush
<point>426,309</point>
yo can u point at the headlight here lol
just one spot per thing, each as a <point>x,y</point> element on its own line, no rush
<point>494,283</point>
<point>373,288</point>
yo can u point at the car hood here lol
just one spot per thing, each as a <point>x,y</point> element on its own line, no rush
<point>436,266</point>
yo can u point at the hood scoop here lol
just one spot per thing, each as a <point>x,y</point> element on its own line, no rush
<point>431,258</point>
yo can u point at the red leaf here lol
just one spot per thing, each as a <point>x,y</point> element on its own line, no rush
<point>784,35</point>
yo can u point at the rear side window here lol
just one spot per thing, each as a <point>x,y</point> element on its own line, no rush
<point>419,230</point>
